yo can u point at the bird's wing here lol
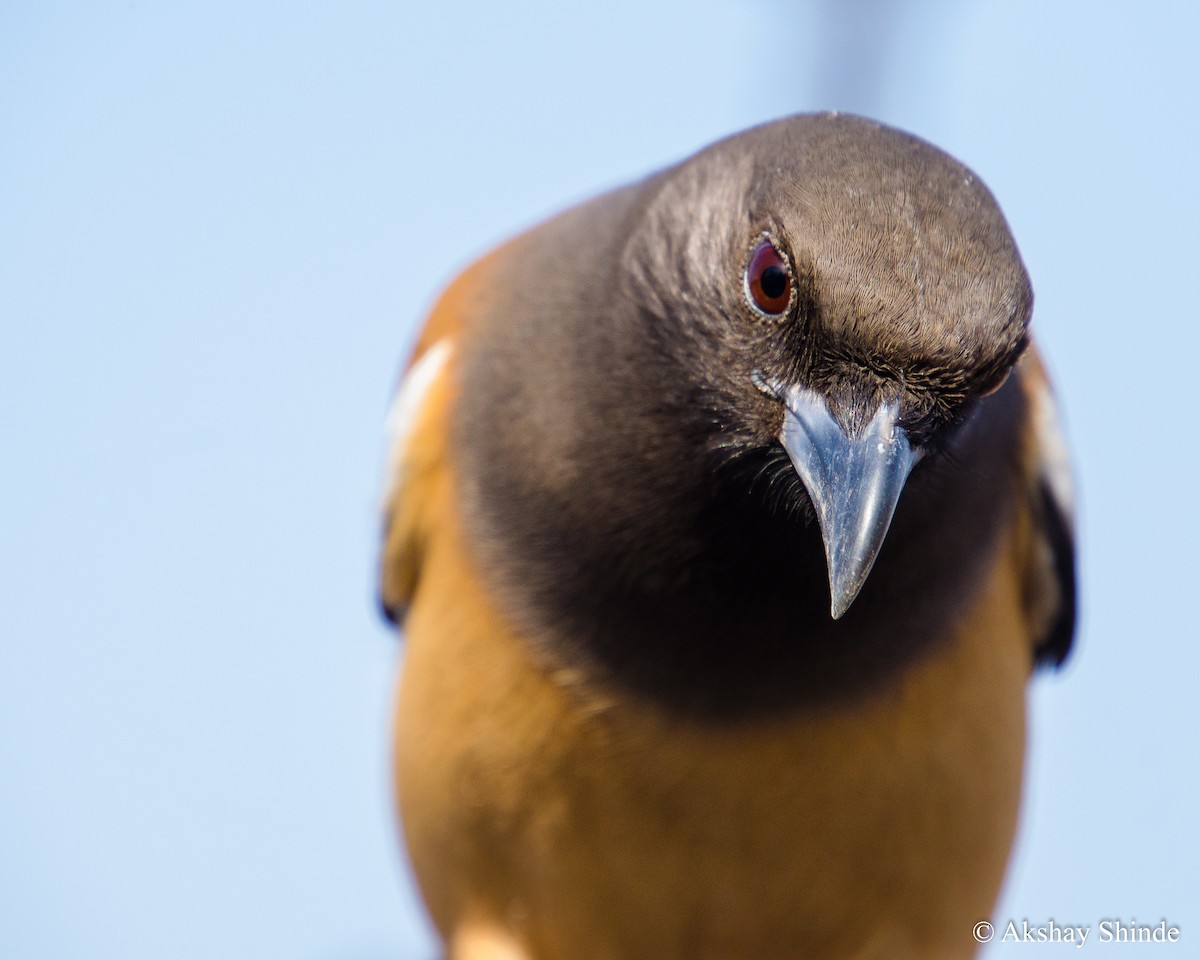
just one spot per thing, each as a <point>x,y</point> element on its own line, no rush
<point>1050,588</point>
<point>418,440</point>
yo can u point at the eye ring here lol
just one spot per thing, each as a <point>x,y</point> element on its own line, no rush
<point>768,284</point>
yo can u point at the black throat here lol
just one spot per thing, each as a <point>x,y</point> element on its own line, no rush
<point>717,607</point>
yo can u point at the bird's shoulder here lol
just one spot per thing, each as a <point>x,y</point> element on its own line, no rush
<point>499,318</point>
<point>418,437</point>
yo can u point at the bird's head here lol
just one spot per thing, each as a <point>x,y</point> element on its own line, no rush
<point>837,289</point>
<point>668,391</point>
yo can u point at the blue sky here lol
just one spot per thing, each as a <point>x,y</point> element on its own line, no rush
<point>219,226</point>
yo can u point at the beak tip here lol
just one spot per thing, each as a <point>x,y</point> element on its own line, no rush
<point>840,601</point>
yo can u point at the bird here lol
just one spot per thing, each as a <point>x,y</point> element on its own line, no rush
<point>728,517</point>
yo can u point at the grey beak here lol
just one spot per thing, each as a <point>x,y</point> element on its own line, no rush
<point>853,482</point>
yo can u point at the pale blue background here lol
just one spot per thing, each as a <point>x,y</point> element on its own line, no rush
<point>219,223</point>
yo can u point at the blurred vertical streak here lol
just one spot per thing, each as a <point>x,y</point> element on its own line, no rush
<point>856,39</point>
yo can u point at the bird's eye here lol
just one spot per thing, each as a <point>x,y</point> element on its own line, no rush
<point>768,280</point>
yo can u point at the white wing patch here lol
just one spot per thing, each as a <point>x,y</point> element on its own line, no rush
<point>405,412</point>
<point>1054,458</point>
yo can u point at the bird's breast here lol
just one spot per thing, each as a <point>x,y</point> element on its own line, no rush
<point>586,822</point>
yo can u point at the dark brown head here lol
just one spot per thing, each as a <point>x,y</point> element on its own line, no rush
<point>862,280</point>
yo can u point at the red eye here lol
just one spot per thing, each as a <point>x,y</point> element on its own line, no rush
<point>768,280</point>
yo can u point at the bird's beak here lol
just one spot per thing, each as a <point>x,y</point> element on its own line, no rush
<point>853,482</point>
